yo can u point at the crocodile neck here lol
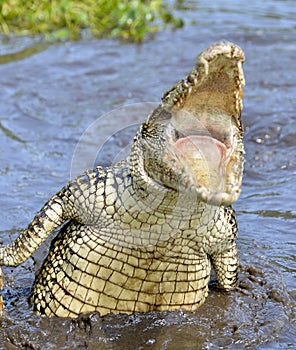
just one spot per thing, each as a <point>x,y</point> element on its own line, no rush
<point>154,215</point>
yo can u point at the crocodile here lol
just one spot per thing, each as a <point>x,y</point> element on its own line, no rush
<point>143,234</point>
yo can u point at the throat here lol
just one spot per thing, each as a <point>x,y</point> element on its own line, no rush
<point>204,158</point>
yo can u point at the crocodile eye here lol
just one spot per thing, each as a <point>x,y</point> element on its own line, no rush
<point>178,134</point>
<point>164,116</point>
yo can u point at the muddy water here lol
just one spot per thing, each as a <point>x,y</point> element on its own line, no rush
<point>51,94</point>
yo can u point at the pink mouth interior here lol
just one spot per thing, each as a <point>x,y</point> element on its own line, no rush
<point>204,158</point>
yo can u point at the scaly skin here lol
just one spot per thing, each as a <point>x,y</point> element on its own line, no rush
<point>142,235</point>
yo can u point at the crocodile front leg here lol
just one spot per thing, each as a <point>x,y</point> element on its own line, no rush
<point>51,216</point>
<point>225,262</point>
<point>226,266</point>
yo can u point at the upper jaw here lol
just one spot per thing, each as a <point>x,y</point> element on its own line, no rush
<point>215,83</point>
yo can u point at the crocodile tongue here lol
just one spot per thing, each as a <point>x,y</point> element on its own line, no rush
<point>204,158</point>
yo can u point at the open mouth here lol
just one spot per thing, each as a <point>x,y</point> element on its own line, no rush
<point>204,146</point>
<point>206,123</point>
<point>205,158</point>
